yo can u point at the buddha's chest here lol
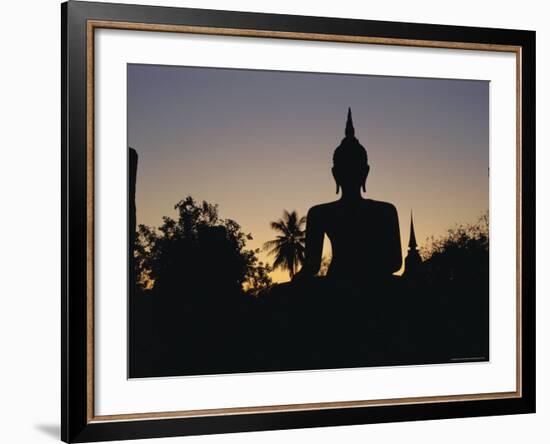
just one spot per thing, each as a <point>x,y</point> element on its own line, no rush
<point>355,233</point>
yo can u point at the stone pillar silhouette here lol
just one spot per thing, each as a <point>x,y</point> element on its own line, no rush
<point>133,309</point>
<point>132,176</point>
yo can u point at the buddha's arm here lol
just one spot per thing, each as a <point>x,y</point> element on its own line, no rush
<point>392,251</point>
<point>395,259</point>
<point>314,245</point>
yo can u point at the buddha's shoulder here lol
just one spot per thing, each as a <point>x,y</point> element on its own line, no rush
<point>370,205</point>
<point>322,208</point>
<point>380,205</point>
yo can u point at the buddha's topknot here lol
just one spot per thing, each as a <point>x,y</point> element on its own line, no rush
<point>350,152</point>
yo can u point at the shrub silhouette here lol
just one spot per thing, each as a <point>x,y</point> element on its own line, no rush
<point>462,255</point>
<point>197,252</point>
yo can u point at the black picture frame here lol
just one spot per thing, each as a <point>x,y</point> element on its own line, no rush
<point>77,424</point>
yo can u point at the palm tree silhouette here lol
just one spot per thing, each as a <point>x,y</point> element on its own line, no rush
<point>289,246</point>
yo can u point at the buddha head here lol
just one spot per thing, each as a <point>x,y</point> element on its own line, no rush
<point>350,166</point>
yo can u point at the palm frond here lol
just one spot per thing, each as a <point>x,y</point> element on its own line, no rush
<point>288,247</point>
<point>280,226</point>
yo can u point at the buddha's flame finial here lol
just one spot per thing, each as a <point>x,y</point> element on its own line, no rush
<point>350,131</point>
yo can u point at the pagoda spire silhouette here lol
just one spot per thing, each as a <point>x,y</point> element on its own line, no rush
<point>413,261</point>
<point>413,246</point>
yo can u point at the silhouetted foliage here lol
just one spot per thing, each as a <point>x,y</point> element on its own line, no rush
<point>461,255</point>
<point>258,281</point>
<point>187,252</point>
<point>289,246</point>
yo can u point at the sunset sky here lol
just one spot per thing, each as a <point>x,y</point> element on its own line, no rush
<point>258,142</point>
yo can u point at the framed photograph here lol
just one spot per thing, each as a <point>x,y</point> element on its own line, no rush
<point>276,221</point>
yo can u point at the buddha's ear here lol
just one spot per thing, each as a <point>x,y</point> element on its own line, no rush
<point>336,180</point>
<point>365,180</point>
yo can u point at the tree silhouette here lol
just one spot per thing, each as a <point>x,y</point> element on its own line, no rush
<point>289,246</point>
<point>258,280</point>
<point>184,254</point>
<point>461,256</point>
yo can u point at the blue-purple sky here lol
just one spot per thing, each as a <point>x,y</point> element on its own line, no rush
<point>258,142</point>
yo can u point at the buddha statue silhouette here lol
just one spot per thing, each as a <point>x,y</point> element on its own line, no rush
<point>364,233</point>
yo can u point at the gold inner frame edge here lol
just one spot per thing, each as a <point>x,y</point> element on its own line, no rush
<point>90,33</point>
